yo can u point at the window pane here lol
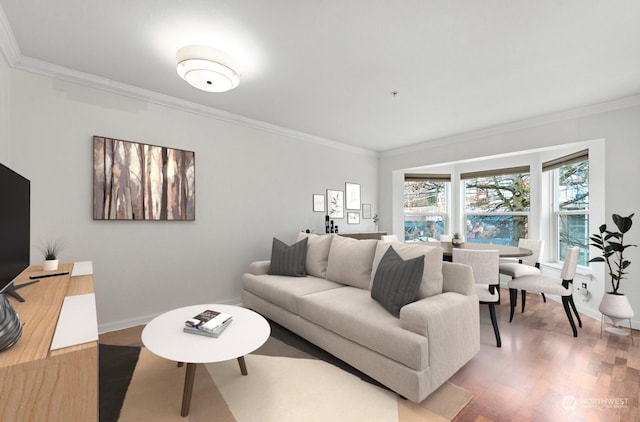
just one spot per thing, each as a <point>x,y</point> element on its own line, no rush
<point>419,228</point>
<point>504,193</point>
<point>573,230</point>
<point>496,229</point>
<point>425,204</point>
<point>573,187</point>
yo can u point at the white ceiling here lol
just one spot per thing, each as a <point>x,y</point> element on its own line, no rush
<point>327,68</point>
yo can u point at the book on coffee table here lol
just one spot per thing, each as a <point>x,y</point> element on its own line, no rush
<point>214,333</point>
<point>209,321</point>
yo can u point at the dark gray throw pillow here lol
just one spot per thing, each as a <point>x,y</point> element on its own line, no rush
<point>288,260</point>
<point>397,281</point>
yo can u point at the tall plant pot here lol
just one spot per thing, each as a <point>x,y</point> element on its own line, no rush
<point>618,309</point>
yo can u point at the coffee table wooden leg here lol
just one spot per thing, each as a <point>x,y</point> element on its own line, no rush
<point>243,365</point>
<point>188,388</point>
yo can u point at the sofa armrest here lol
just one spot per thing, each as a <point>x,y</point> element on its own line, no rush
<point>457,278</point>
<point>259,267</point>
<point>451,323</point>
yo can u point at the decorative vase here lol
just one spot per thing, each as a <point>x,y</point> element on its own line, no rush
<point>50,264</point>
<point>616,307</point>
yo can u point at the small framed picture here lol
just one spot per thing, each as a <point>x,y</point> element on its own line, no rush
<point>335,203</point>
<point>352,196</point>
<point>366,211</point>
<point>353,218</point>
<point>318,202</point>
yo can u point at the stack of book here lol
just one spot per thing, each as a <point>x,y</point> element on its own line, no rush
<point>208,323</point>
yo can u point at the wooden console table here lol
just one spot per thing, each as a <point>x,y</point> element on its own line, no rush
<point>360,236</point>
<point>38,383</point>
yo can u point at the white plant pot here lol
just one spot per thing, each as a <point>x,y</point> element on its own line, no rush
<point>616,307</point>
<point>50,264</point>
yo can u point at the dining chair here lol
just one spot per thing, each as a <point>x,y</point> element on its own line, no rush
<point>528,265</point>
<point>389,238</point>
<point>445,238</point>
<point>485,264</point>
<point>550,285</point>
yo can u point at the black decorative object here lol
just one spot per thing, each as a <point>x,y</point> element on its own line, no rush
<point>326,224</point>
<point>10,326</point>
<point>332,227</point>
<point>336,229</point>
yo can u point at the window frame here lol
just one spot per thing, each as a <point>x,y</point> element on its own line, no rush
<point>557,213</point>
<point>441,178</point>
<point>466,213</point>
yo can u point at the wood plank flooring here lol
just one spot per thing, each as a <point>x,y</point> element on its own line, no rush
<point>541,372</point>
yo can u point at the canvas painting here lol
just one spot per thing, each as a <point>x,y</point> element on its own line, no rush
<point>135,181</point>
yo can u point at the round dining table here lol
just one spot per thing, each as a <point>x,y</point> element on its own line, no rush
<point>506,251</point>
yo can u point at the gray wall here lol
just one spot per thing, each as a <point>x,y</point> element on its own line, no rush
<point>251,185</point>
<point>620,130</point>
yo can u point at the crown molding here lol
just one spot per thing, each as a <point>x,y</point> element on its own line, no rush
<point>8,45</point>
<point>16,60</point>
<point>602,107</point>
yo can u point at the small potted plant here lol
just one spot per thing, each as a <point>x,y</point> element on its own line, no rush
<point>50,251</point>
<point>614,304</point>
<point>457,240</point>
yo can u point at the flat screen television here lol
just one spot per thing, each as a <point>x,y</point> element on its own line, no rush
<point>15,240</point>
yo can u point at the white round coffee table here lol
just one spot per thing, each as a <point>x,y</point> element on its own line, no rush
<point>163,336</point>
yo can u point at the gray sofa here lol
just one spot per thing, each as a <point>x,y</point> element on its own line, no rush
<point>332,307</point>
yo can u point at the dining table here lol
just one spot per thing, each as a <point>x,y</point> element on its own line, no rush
<point>505,251</point>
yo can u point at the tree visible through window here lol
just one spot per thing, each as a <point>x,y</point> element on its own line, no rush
<point>425,205</point>
<point>572,210</point>
<point>497,205</point>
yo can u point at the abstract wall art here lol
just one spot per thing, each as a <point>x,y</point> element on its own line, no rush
<point>135,181</point>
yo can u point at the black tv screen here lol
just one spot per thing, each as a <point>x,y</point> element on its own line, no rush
<point>14,225</point>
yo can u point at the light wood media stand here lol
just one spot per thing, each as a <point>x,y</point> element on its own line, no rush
<point>36,383</point>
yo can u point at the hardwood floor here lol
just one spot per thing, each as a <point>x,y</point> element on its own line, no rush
<point>541,372</point>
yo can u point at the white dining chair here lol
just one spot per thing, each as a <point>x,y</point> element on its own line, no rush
<point>562,287</point>
<point>389,238</point>
<point>527,265</point>
<point>485,264</point>
<point>445,238</point>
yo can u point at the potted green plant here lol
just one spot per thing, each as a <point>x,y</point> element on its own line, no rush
<point>457,240</point>
<point>50,250</point>
<point>614,304</point>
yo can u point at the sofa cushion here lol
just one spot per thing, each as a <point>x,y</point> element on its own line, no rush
<point>317,253</point>
<point>431,283</point>
<point>351,313</point>
<point>396,281</point>
<point>288,260</point>
<point>350,261</point>
<point>284,291</point>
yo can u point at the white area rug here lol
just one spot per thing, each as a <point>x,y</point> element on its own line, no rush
<point>277,386</point>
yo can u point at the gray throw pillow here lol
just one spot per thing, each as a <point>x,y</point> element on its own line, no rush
<point>288,260</point>
<point>397,281</point>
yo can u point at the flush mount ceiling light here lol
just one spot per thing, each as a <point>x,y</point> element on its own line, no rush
<point>207,69</point>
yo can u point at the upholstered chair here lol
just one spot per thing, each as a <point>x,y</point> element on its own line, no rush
<point>485,264</point>
<point>527,265</point>
<point>562,287</point>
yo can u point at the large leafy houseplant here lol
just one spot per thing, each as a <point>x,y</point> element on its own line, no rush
<point>612,245</point>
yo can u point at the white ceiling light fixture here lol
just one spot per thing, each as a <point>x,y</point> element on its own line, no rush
<point>207,69</point>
